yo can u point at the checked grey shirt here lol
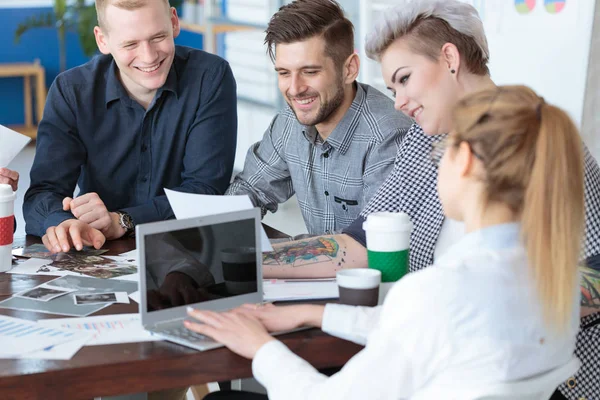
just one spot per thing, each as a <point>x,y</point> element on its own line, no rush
<point>333,179</point>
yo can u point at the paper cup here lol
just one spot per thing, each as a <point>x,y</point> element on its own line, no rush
<point>388,244</point>
<point>359,286</point>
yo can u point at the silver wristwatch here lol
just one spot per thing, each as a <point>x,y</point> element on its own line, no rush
<point>126,223</point>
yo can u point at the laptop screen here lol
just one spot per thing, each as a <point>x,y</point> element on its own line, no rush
<point>200,264</point>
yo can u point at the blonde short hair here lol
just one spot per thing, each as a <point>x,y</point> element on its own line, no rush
<point>427,26</point>
<point>123,4</point>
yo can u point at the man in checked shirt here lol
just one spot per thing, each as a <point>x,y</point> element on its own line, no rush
<point>336,141</point>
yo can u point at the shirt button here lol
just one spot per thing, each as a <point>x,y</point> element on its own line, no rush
<point>571,382</point>
<point>144,148</point>
<point>326,193</point>
<point>144,179</point>
<point>326,155</point>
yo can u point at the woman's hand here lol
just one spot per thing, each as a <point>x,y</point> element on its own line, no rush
<point>9,177</point>
<point>284,318</point>
<point>240,332</point>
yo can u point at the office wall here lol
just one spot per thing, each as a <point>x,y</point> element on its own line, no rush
<point>591,109</point>
<point>39,44</point>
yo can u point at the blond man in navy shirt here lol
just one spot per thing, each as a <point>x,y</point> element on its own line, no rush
<point>144,115</point>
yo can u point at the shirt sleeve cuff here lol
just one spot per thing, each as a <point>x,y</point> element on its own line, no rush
<point>350,322</point>
<point>267,361</point>
<point>356,231</point>
<point>56,219</point>
<point>141,214</point>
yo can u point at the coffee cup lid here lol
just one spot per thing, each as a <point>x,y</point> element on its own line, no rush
<point>6,192</point>
<point>388,222</point>
<point>358,278</point>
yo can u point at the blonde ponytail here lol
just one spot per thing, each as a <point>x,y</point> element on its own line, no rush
<point>553,213</point>
<point>533,160</point>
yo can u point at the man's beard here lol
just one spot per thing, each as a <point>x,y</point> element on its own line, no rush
<point>326,109</point>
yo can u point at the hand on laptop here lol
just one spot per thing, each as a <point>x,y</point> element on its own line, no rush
<point>241,332</point>
<point>178,289</point>
<point>9,177</point>
<point>72,233</point>
<point>90,208</point>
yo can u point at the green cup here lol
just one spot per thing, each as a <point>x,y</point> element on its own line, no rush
<point>388,243</point>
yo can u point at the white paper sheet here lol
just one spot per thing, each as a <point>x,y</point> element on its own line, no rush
<point>132,255</point>
<point>20,336</point>
<point>188,205</point>
<point>33,265</point>
<point>135,296</point>
<point>106,329</point>
<point>11,144</point>
<point>63,351</point>
<point>280,290</point>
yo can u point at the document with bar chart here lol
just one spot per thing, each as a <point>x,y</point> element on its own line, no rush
<point>106,329</point>
<point>20,336</point>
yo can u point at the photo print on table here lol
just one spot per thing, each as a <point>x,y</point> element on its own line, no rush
<point>43,293</point>
<point>100,298</point>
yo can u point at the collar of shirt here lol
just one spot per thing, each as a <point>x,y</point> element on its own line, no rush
<point>341,136</point>
<point>116,91</point>
<point>495,238</point>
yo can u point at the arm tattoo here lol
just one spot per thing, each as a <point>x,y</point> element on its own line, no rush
<point>306,252</point>
<point>590,288</point>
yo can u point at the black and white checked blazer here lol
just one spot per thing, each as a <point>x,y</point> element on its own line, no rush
<point>412,188</point>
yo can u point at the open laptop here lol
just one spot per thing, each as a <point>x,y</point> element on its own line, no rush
<point>218,265</point>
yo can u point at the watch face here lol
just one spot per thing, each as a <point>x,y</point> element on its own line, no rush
<point>126,221</point>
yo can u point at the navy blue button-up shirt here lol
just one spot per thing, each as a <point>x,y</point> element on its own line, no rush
<point>94,135</point>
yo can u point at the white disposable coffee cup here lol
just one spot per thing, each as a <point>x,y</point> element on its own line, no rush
<point>388,243</point>
<point>359,286</point>
<point>7,224</point>
<point>388,231</point>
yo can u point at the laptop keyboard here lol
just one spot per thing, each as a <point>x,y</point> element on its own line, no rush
<point>183,333</point>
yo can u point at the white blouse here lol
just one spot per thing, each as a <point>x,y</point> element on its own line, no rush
<point>471,319</point>
<point>451,233</point>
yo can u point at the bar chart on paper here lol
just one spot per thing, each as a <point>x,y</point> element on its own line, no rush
<point>106,329</point>
<point>19,336</point>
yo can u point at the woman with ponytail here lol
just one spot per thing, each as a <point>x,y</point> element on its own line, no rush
<point>505,297</point>
<point>528,159</point>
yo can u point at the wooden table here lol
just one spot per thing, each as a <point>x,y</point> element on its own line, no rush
<point>28,71</point>
<point>138,367</point>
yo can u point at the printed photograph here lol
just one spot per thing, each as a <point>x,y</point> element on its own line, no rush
<point>43,293</point>
<point>40,251</point>
<point>95,298</point>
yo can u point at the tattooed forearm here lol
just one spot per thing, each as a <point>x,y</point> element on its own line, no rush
<point>312,251</point>
<point>590,290</point>
<point>319,257</point>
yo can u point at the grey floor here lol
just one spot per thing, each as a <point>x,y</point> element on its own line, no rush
<point>288,219</point>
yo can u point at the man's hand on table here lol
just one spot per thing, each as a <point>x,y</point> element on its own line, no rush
<point>90,208</point>
<point>72,233</point>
